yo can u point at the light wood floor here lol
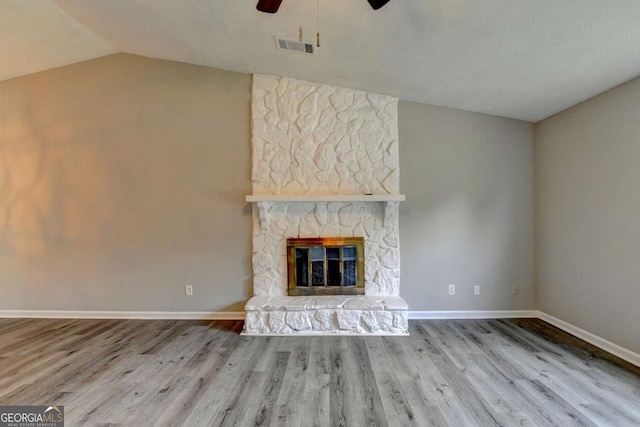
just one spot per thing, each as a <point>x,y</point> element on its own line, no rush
<point>458,373</point>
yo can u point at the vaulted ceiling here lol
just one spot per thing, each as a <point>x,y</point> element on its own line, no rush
<point>525,59</point>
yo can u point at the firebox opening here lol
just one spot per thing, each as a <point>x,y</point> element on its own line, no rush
<point>326,266</point>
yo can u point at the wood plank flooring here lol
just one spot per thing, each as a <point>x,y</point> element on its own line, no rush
<point>196,373</point>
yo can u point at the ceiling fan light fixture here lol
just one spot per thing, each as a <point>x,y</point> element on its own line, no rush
<point>269,6</point>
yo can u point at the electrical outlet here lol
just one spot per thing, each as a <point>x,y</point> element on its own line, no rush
<point>452,289</point>
<point>188,290</point>
<point>516,290</point>
<point>476,290</point>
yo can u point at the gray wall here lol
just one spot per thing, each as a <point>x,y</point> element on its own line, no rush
<point>468,218</point>
<point>122,180</point>
<point>588,215</point>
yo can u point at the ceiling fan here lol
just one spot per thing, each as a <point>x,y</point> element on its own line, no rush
<point>271,6</point>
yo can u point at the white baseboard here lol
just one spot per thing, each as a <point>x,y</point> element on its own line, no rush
<point>615,349</point>
<point>177,315</point>
<point>239,315</point>
<point>474,314</point>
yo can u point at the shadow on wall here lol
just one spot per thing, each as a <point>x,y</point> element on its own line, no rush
<point>83,217</point>
<point>119,205</point>
<point>65,194</point>
<point>25,221</point>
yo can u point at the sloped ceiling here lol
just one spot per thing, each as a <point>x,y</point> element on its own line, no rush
<point>525,59</point>
<point>37,35</point>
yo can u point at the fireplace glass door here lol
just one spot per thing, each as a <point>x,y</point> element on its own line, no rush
<point>326,266</point>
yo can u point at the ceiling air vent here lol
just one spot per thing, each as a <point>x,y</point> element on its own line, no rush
<point>295,46</point>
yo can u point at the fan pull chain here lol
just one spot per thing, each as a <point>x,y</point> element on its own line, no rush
<point>318,23</point>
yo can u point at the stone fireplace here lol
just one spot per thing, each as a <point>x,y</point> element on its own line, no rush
<point>325,165</point>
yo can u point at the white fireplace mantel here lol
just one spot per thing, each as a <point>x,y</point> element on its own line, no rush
<point>319,198</point>
<point>389,200</point>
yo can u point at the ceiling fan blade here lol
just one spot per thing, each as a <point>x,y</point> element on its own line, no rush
<point>377,4</point>
<point>270,6</point>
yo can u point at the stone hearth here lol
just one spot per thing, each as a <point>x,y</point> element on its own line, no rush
<point>325,164</point>
<point>327,314</point>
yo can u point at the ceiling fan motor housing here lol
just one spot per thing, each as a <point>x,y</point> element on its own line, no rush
<point>271,6</point>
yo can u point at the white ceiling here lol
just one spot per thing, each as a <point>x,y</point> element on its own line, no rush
<point>525,59</point>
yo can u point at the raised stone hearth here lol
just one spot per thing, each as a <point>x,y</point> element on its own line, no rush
<point>319,315</point>
<point>325,164</point>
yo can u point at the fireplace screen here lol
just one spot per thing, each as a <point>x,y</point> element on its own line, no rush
<point>326,266</point>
